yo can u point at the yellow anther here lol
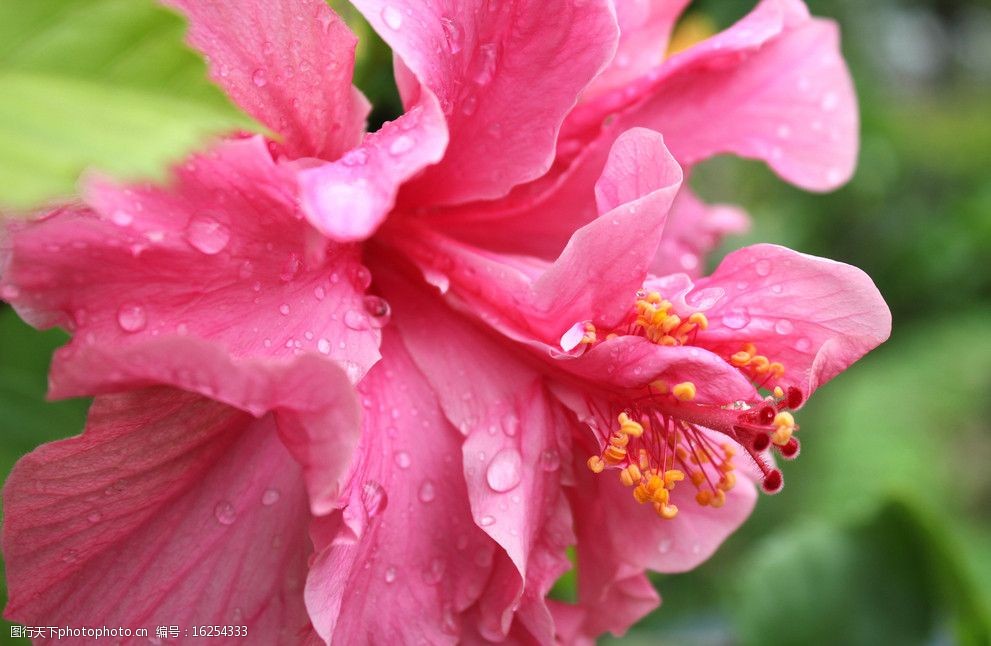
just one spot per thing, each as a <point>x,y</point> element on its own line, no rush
<point>596,464</point>
<point>644,460</point>
<point>777,369</point>
<point>681,452</point>
<point>684,391</point>
<point>671,476</point>
<point>619,439</point>
<point>668,340</point>
<point>750,348</point>
<point>661,495</point>
<point>628,426</point>
<point>697,477</point>
<point>703,497</point>
<point>740,359</point>
<point>718,499</point>
<point>611,336</point>
<point>654,483</point>
<point>630,475</point>
<point>670,322</point>
<point>590,336</point>
<point>784,426</point>
<point>760,363</point>
<point>728,450</point>
<point>655,297</point>
<point>614,454</point>
<point>727,482</point>
<point>640,494</point>
<point>699,319</point>
<point>779,392</point>
<point>784,419</point>
<point>667,512</point>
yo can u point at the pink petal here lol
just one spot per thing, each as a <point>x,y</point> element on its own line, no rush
<point>816,316</point>
<point>634,362</point>
<point>348,199</point>
<point>772,87</point>
<point>314,407</point>
<point>222,255</point>
<point>134,522</point>
<point>644,31</point>
<point>419,562</point>
<point>288,63</point>
<point>694,229</point>
<point>596,275</point>
<point>505,76</point>
<point>511,457</point>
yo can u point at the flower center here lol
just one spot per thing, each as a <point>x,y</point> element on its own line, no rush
<point>662,437</point>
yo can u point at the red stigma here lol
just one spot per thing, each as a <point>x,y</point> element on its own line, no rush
<point>772,481</point>
<point>795,397</point>
<point>790,450</point>
<point>761,441</point>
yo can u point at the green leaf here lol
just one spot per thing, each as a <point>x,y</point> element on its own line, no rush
<point>97,83</point>
<point>819,584</point>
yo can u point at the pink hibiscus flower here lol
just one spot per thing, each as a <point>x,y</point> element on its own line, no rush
<point>293,432</point>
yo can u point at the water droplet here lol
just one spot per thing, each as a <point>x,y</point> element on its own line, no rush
<point>777,289</point>
<point>323,346</point>
<point>486,521</point>
<point>550,460</point>
<point>736,319</point>
<point>374,498</point>
<point>428,491</point>
<point>665,546</point>
<point>784,326</point>
<point>319,293</point>
<point>469,105</point>
<point>452,34</point>
<point>392,17</point>
<point>122,218</point>
<point>696,548</point>
<point>270,497</point>
<point>362,277</point>
<point>355,320</point>
<point>505,470</point>
<point>95,517</point>
<point>356,157</point>
<point>486,65</point>
<point>784,131</point>
<point>258,77</point>
<point>803,345</point>
<point>70,555</point>
<point>378,311</point>
<point>390,574</point>
<point>402,459</point>
<point>132,318</point>
<point>703,299</point>
<point>225,513</point>
<point>284,309</point>
<point>9,292</point>
<point>449,620</point>
<point>433,573</point>
<point>401,144</point>
<point>206,235</point>
<point>763,267</point>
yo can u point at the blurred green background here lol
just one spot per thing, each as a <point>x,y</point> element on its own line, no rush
<point>883,532</point>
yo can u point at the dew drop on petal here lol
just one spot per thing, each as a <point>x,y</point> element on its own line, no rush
<point>428,491</point>
<point>270,497</point>
<point>374,498</point>
<point>803,345</point>
<point>402,459</point>
<point>95,517</point>
<point>736,319</point>
<point>378,311</point>
<point>390,574</point>
<point>207,236</point>
<point>486,521</point>
<point>323,346</point>
<point>132,317</point>
<point>284,309</point>
<point>70,555</point>
<point>122,218</point>
<point>225,513</point>
<point>784,326</point>
<point>763,267</point>
<point>433,573</point>
<point>665,546</point>
<point>319,293</point>
<point>550,460</point>
<point>705,298</point>
<point>392,17</point>
<point>355,320</point>
<point>505,470</point>
<point>453,35</point>
<point>401,144</point>
<point>258,77</point>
